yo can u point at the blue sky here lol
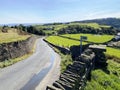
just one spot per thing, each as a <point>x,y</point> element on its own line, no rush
<point>46,11</point>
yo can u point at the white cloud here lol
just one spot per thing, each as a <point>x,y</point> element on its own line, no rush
<point>101,14</point>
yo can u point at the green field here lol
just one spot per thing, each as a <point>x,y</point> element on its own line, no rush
<point>11,36</point>
<point>47,32</point>
<point>62,41</point>
<point>91,37</point>
<point>113,52</point>
<point>100,78</point>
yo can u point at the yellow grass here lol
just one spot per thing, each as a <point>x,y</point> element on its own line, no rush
<point>12,36</point>
<point>113,52</point>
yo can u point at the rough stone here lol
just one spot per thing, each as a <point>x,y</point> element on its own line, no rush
<point>16,49</point>
<point>75,75</point>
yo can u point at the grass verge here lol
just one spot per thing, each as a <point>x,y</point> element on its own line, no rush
<point>65,59</point>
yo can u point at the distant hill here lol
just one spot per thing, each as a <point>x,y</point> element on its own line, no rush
<point>114,22</point>
<point>17,24</point>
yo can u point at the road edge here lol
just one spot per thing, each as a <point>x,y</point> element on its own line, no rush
<point>52,75</point>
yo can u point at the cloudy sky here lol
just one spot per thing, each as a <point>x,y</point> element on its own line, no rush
<point>46,11</point>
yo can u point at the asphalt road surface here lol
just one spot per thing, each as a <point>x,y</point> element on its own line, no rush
<point>27,74</point>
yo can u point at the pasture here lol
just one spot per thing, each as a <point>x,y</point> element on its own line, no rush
<point>63,42</point>
<point>91,37</point>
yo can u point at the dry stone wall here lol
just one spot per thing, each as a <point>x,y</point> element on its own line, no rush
<point>62,49</point>
<point>75,75</point>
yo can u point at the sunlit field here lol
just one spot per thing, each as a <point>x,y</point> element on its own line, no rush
<point>113,52</point>
<point>91,37</point>
<point>62,41</point>
<point>12,36</point>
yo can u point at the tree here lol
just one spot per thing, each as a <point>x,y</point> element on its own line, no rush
<point>5,29</point>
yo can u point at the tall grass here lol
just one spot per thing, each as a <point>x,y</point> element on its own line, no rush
<point>65,60</point>
<point>101,80</point>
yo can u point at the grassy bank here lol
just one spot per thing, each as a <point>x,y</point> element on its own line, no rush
<point>101,80</point>
<point>113,52</point>
<point>109,78</point>
<point>12,61</point>
<point>65,60</point>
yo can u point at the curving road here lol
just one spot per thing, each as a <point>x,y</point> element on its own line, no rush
<point>27,74</point>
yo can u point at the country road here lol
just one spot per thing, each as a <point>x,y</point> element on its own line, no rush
<point>27,74</point>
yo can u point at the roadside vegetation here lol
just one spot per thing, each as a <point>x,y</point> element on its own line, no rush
<point>8,35</point>
<point>101,78</point>
<point>12,61</point>
<point>66,59</point>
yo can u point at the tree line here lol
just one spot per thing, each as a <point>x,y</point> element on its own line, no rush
<point>72,29</point>
<point>29,29</point>
<point>69,29</point>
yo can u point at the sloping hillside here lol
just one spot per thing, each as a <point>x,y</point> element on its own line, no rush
<point>74,27</point>
<point>114,22</point>
<point>11,36</point>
